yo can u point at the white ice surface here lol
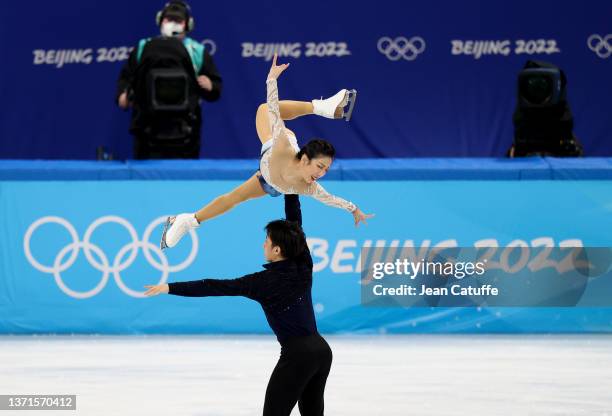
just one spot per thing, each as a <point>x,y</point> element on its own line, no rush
<point>377,375</point>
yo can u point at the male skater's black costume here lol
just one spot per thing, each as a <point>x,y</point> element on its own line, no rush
<point>284,292</point>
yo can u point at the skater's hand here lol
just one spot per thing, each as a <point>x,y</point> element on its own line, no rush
<point>359,216</point>
<point>276,70</point>
<point>156,289</point>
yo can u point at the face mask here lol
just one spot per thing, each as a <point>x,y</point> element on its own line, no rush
<point>171,29</point>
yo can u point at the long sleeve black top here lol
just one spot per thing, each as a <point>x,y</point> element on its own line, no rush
<point>283,289</point>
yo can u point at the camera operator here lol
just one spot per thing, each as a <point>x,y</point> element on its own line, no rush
<point>163,81</point>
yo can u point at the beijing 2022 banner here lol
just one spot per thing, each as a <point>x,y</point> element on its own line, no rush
<point>434,78</point>
<point>505,256</point>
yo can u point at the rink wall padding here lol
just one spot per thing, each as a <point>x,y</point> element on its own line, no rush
<point>79,240</point>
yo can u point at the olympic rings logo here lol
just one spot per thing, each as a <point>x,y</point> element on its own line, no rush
<point>601,45</point>
<point>124,258</point>
<point>401,48</point>
<point>210,45</point>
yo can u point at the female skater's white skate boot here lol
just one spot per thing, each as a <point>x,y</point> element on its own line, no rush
<point>176,228</point>
<point>343,98</point>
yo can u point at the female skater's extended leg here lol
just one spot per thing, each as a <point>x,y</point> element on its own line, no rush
<point>177,227</point>
<point>221,204</point>
<point>289,110</point>
<point>333,107</point>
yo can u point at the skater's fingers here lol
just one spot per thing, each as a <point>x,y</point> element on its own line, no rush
<point>153,290</point>
<point>274,59</point>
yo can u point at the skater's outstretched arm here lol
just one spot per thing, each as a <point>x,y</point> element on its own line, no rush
<point>292,208</point>
<point>247,286</point>
<point>277,126</point>
<point>320,194</point>
<point>294,213</point>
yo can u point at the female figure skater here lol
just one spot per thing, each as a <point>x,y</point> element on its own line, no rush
<point>284,292</point>
<point>284,167</point>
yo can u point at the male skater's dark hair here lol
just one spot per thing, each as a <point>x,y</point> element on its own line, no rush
<point>288,236</point>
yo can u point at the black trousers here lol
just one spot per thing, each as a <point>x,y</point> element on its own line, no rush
<point>299,377</point>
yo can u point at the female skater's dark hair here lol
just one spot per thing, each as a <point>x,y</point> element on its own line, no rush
<point>316,148</point>
<point>288,236</point>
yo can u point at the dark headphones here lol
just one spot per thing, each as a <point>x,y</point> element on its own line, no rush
<point>160,14</point>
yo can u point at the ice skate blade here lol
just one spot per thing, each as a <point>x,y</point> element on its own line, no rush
<point>167,225</point>
<point>352,97</point>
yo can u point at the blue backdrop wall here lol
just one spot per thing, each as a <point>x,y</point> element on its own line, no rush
<point>426,86</point>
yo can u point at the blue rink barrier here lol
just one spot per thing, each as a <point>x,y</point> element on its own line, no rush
<point>80,239</point>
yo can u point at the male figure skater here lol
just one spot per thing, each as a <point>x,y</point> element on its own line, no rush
<point>284,291</point>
